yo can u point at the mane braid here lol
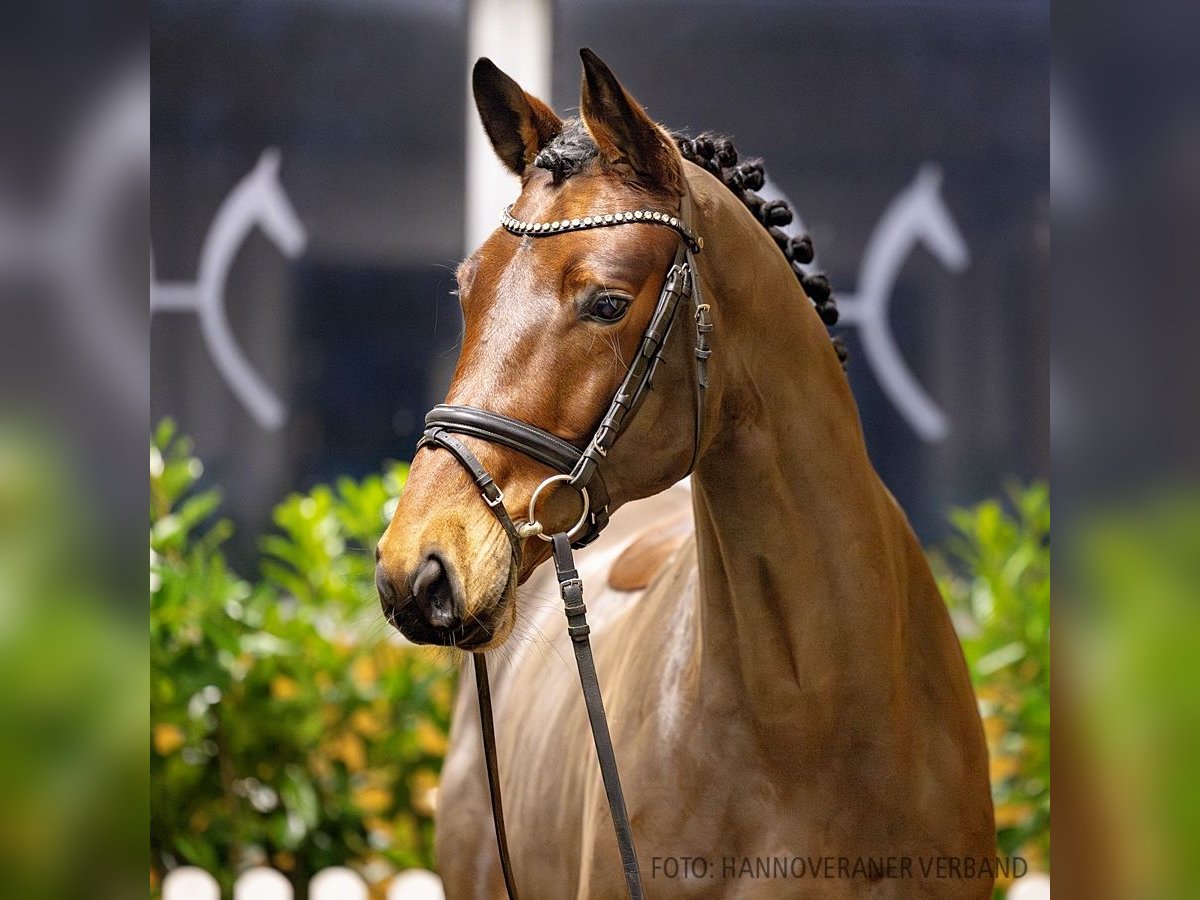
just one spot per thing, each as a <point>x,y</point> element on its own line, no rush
<point>719,157</point>
<point>573,149</point>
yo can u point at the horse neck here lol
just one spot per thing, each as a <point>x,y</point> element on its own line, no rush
<point>239,212</point>
<point>801,549</point>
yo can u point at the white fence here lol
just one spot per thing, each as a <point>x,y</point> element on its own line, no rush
<point>190,883</point>
<point>1034,886</point>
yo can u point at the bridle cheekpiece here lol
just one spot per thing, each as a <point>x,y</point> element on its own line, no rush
<point>579,468</point>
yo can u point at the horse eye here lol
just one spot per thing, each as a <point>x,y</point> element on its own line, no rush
<point>608,307</point>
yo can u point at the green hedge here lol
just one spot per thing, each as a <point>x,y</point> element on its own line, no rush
<point>995,575</point>
<point>291,728</point>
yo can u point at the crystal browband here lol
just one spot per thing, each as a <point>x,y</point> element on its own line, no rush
<point>538,229</point>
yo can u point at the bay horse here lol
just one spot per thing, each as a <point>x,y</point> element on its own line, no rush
<point>788,685</point>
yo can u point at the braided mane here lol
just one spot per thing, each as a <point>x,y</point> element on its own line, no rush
<point>574,149</point>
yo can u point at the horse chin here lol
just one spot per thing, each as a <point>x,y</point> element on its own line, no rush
<point>489,630</point>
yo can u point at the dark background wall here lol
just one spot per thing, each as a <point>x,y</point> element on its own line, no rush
<point>367,103</point>
<point>845,101</point>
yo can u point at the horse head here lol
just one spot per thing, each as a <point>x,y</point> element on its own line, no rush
<point>550,324</point>
<point>931,220</point>
<point>276,215</point>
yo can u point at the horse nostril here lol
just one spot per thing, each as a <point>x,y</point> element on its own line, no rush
<point>383,584</point>
<point>434,593</point>
<point>426,575</point>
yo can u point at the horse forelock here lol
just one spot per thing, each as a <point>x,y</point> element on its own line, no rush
<point>573,150</point>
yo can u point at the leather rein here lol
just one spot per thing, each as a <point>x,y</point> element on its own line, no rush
<point>580,469</point>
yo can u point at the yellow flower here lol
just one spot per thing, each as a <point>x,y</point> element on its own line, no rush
<point>348,747</point>
<point>366,723</point>
<point>363,672</point>
<point>442,693</point>
<point>423,787</point>
<point>1012,814</point>
<point>430,738</point>
<point>372,799</point>
<point>284,688</point>
<point>1004,766</point>
<point>167,738</point>
<point>994,728</point>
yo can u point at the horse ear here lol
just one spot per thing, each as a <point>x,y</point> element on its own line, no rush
<point>518,124</point>
<point>624,134</point>
<point>268,160</point>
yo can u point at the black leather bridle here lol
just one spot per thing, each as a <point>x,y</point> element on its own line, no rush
<point>581,469</point>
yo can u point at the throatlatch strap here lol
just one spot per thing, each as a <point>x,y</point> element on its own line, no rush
<point>571,589</point>
<point>486,722</point>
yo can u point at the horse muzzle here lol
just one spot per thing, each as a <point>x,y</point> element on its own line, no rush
<point>429,604</point>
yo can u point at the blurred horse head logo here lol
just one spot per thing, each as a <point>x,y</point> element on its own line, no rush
<point>917,215</point>
<point>64,246</point>
<point>63,243</point>
<point>257,200</point>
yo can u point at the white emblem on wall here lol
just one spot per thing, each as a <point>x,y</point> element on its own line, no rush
<point>918,214</point>
<point>258,199</point>
<point>64,245</point>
